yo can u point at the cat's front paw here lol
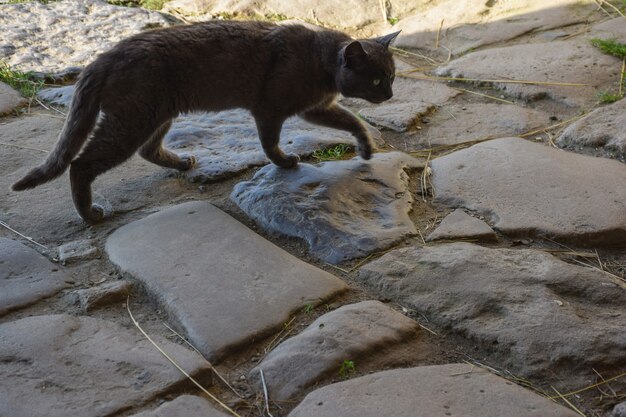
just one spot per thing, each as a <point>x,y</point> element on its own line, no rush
<point>289,161</point>
<point>96,215</point>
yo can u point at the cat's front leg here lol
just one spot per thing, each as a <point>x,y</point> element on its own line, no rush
<point>269,133</point>
<point>338,117</point>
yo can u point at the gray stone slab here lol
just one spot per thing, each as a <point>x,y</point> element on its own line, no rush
<point>227,143</point>
<point>475,23</point>
<point>460,225</point>
<point>399,117</point>
<point>349,333</point>
<point>61,96</point>
<point>527,189</point>
<point>456,123</point>
<point>619,410</point>
<point>52,36</point>
<point>78,250</point>
<point>9,99</point>
<point>60,365</point>
<point>433,391</point>
<point>602,128</point>
<point>572,61</point>
<point>611,29</point>
<point>224,284</point>
<point>343,209</point>
<point>26,276</point>
<point>545,317</point>
<point>184,406</point>
<point>105,294</point>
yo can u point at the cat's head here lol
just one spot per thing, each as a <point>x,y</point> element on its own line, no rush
<point>367,69</point>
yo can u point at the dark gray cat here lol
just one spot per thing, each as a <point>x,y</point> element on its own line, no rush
<point>147,80</point>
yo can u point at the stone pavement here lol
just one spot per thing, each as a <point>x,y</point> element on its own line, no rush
<point>356,287</point>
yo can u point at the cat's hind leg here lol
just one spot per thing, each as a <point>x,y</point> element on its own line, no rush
<point>154,151</point>
<point>111,144</point>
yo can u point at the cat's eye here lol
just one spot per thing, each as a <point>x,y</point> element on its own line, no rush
<point>376,81</point>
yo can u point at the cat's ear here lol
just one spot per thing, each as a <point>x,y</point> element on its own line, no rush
<point>353,52</point>
<point>387,39</point>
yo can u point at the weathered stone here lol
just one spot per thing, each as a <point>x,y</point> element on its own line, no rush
<point>61,96</point>
<point>575,61</point>
<point>78,250</point>
<point>619,410</point>
<point>184,406</point>
<point>411,100</point>
<point>343,209</point>
<point>334,13</point>
<point>612,29</point>
<point>105,294</point>
<point>9,99</point>
<point>26,276</point>
<point>460,225</point>
<point>52,36</point>
<point>62,365</point>
<point>348,333</point>
<point>602,128</point>
<point>546,317</point>
<point>455,123</point>
<point>476,23</point>
<point>441,390</point>
<point>527,189</point>
<point>227,143</point>
<point>223,284</point>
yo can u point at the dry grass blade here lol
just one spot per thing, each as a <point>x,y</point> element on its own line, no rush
<point>272,343</point>
<point>607,385</point>
<point>473,80</point>
<point>23,147</point>
<point>425,178</point>
<point>572,406</point>
<point>415,54</point>
<point>578,391</point>
<point>210,364</point>
<point>265,395</point>
<point>611,6</point>
<point>196,383</point>
<point>601,270</point>
<point>383,9</point>
<point>438,34</point>
<point>554,126</point>
<point>30,239</point>
<point>485,95</point>
<point>621,77</point>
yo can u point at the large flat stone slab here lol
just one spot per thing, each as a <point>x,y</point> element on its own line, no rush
<point>546,318</point>
<point>602,128</point>
<point>60,365</point>
<point>184,406</point>
<point>460,225</point>
<point>222,283</point>
<point>343,209</point>
<point>348,333</point>
<point>26,276</point>
<point>528,189</point>
<point>53,36</point>
<point>434,391</point>
<point>573,61</point>
<point>457,123</point>
<point>9,99</point>
<point>475,23</point>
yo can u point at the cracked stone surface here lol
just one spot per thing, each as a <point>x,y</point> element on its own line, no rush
<point>342,209</point>
<point>545,316</point>
<point>526,189</point>
<point>456,123</point>
<point>102,295</point>
<point>184,406</point>
<point>602,128</point>
<point>26,276</point>
<point>60,34</point>
<point>460,225</point>
<point>572,61</point>
<point>350,332</point>
<point>440,390</point>
<point>9,99</point>
<point>476,23</point>
<point>45,361</point>
<point>78,250</point>
<point>250,284</point>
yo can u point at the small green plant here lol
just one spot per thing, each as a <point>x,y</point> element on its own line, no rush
<point>347,367</point>
<point>146,4</point>
<point>275,17</point>
<point>333,153</point>
<point>606,97</point>
<point>24,82</point>
<point>308,308</point>
<point>392,20</point>
<point>610,46</point>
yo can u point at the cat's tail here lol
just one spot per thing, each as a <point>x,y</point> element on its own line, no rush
<point>81,119</point>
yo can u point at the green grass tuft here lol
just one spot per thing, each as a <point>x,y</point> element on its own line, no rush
<point>146,4</point>
<point>606,97</point>
<point>347,367</point>
<point>24,82</point>
<point>334,153</point>
<point>610,46</point>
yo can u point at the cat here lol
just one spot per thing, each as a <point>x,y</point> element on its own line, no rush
<point>273,71</point>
